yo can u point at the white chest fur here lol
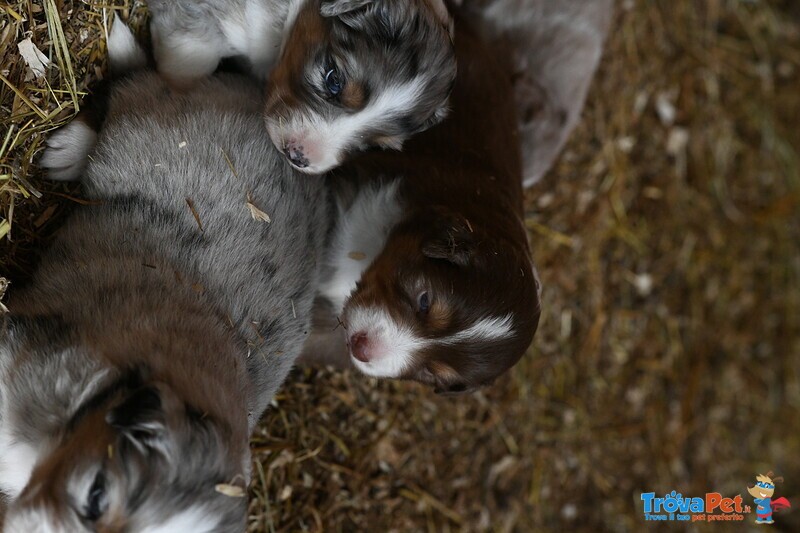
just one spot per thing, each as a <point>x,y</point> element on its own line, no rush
<point>17,460</point>
<point>360,236</point>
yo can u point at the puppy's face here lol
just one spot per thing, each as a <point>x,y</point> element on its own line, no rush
<point>443,305</point>
<point>138,460</point>
<point>355,74</point>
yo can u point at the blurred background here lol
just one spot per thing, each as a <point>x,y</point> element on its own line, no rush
<point>668,241</point>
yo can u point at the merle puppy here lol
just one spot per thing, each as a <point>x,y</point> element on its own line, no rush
<point>162,318</point>
<point>344,75</point>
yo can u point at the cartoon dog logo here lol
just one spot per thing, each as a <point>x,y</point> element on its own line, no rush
<point>762,493</point>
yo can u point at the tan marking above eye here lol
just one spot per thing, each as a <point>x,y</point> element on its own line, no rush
<point>439,316</point>
<point>353,96</point>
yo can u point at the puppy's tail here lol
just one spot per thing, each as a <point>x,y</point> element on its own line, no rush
<point>125,54</point>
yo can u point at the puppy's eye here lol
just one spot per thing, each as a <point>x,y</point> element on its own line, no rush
<point>333,82</point>
<point>423,303</point>
<point>96,500</point>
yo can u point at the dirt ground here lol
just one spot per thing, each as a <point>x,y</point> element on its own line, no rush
<point>668,355</point>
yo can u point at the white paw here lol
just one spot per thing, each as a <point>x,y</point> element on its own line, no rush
<point>124,52</point>
<point>183,58</point>
<point>68,151</point>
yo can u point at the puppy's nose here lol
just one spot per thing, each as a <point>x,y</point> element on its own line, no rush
<point>294,152</point>
<point>359,346</point>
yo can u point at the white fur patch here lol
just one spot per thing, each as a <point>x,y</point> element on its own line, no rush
<point>184,57</point>
<point>360,237</point>
<point>191,520</point>
<point>32,519</point>
<point>394,343</point>
<point>256,33</point>
<point>485,329</point>
<point>124,53</point>
<point>326,142</point>
<point>68,151</point>
<point>17,460</point>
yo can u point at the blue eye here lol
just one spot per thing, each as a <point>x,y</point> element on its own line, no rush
<point>424,303</point>
<point>333,82</point>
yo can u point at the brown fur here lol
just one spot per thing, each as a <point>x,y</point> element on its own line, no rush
<point>463,232</point>
<point>286,78</point>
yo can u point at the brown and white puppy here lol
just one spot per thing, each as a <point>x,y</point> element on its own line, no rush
<point>434,248</point>
<point>345,74</point>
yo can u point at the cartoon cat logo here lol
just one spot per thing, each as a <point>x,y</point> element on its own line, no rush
<point>762,493</point>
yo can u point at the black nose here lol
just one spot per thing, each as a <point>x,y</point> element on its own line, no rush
<point>295,155</point>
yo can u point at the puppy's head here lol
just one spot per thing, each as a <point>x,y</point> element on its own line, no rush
<point>355,74</point>
<point>133,458</point>
<point>443,304</point>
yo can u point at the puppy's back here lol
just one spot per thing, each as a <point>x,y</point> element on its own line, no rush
<point>191,184</point>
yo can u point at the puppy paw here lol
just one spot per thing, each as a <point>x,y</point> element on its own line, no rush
<point>68,151</point>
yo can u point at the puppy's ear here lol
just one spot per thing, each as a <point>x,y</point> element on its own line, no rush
<point>450,238</point>
<point>337,8</point>
<point>141,419</point>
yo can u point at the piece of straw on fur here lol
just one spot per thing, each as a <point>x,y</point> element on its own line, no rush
<point>255,212</point>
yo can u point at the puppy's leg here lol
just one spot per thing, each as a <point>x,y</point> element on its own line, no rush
<point>68,149</point>
<point>187,42</point>
<point>327,344</point>
<point>184,58</point>
<point>325,349</point>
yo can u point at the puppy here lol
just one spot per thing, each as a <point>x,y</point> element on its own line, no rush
<point>556,47</point>
<point>345,74</point>
<point>430,261</point>
<point>161,320</point>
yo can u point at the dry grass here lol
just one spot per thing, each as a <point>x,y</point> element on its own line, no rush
<point>669,348</point>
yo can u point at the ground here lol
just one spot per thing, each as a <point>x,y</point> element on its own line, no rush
<point>668,240</point>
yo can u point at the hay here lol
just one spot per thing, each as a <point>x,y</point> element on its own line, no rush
<point>668,240</point>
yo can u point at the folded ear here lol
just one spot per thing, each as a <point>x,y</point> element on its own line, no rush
<point>141,419</point>
<point>450,238</point>
<point>337,8</point>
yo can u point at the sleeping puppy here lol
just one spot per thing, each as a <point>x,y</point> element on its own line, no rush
<point>162,318</point>
<point>556,47</point>
<point>345,74</point>
<point>430,261</point>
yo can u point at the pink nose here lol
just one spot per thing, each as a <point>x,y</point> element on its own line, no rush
<point>359,346</point>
